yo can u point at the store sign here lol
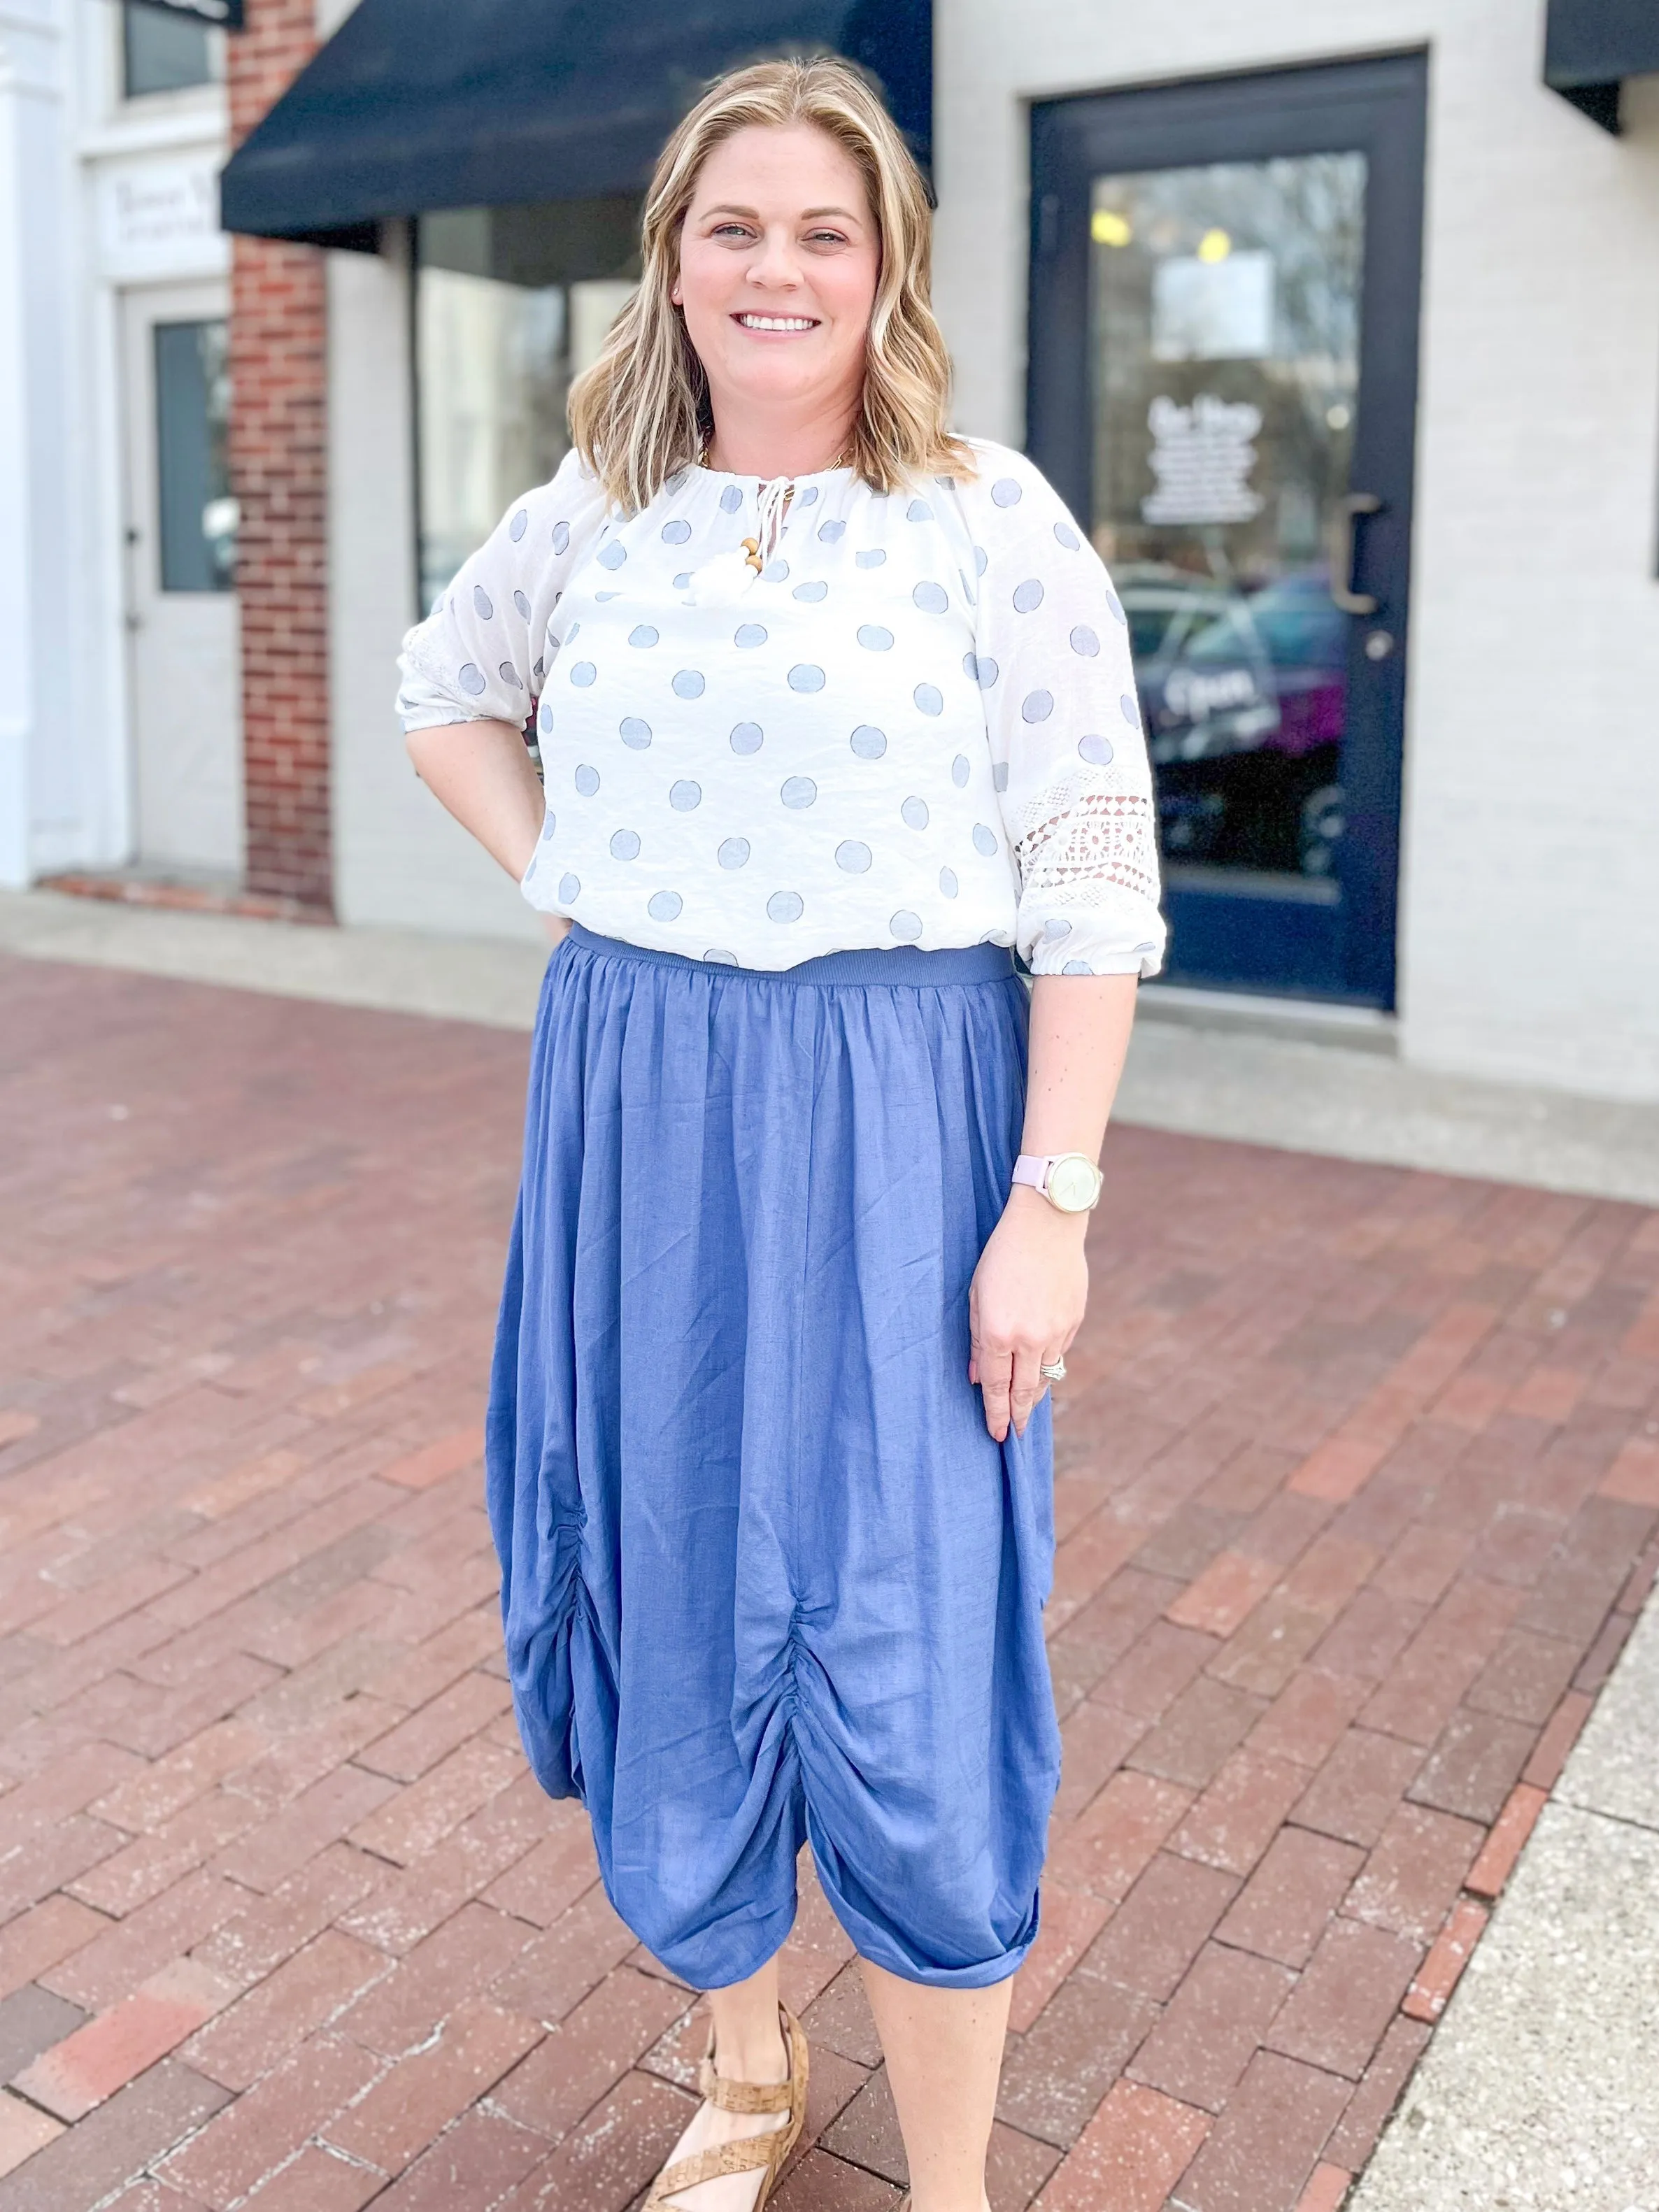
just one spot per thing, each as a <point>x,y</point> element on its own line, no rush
<point>159,217</point>
<point>1214,310</point>
<point>227,14</point>
<point>1202,456</point>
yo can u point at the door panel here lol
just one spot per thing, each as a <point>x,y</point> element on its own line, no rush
<point>181,613</point>
<point>1224,309</point>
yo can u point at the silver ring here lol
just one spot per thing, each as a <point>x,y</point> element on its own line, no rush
<point>1054,1374</point>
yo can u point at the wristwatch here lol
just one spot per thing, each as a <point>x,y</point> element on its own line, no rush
<point>1069,1181</point>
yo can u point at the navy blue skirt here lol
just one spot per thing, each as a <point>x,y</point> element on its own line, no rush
<point>766,1578</point>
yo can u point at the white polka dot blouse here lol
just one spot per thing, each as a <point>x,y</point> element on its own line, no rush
<point>916,725</point>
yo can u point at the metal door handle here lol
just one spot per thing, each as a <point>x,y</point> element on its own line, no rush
<point>1342,591</point>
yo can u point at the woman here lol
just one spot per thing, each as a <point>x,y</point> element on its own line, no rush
<point>835,708</point>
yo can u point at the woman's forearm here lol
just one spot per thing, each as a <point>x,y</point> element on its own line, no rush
<point>1079,1033</point>
<point>481,772</point>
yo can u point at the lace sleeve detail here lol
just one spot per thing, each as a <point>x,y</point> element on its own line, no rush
<point>1077,845</point>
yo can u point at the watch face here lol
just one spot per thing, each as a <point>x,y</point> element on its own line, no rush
<point>1071,1184</point>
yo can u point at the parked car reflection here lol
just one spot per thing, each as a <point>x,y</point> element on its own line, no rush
<point>1242,695</point>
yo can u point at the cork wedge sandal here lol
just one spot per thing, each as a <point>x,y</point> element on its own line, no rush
<point>763,2155</point>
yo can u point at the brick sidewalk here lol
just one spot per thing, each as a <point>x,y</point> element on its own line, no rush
<point>1359,1480</point>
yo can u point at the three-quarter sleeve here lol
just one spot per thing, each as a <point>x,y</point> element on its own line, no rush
<point>1051,648</point>
<point>484,652</point>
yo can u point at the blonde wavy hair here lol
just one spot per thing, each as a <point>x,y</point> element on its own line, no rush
<point>642,412</point>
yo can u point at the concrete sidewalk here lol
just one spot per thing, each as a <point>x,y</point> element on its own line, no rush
<point>1193,1067</point>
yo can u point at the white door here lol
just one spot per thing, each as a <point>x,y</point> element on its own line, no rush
<point>181,600</point>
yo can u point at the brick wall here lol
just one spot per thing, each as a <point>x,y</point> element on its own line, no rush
<point>278,461</point>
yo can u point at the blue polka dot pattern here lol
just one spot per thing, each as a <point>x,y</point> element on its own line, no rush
<point>985,572</point>
<point>1077,967</point>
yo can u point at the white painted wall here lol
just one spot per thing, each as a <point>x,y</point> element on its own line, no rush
<point>1529,943</point>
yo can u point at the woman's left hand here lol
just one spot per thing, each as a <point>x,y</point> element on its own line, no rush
<point>1024,1305</point>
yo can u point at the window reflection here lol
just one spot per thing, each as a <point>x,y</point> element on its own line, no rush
<point>198,515</point>
<point>506,312</point>
<point>1226,351</point>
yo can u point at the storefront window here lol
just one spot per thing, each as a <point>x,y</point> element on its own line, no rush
<point>505,316</point>
<point>163,50</point>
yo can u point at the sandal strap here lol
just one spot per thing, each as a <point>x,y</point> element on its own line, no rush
<point>743,2096</point>
<point>753,2154</point>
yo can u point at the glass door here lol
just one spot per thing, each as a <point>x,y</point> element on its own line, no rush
<point>1222,382</point>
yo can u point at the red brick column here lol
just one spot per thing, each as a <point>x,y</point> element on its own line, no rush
<point>279,468</point>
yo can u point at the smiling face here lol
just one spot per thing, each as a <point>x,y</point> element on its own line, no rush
<point>778,264</point>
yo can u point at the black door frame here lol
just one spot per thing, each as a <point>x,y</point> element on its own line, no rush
<point>1376,107</point>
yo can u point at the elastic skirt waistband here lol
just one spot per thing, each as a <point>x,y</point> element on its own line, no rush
<point>900,964</point>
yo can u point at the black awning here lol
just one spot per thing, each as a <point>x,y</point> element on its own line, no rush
<point>422,104</point>
<point>1590,46</point>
